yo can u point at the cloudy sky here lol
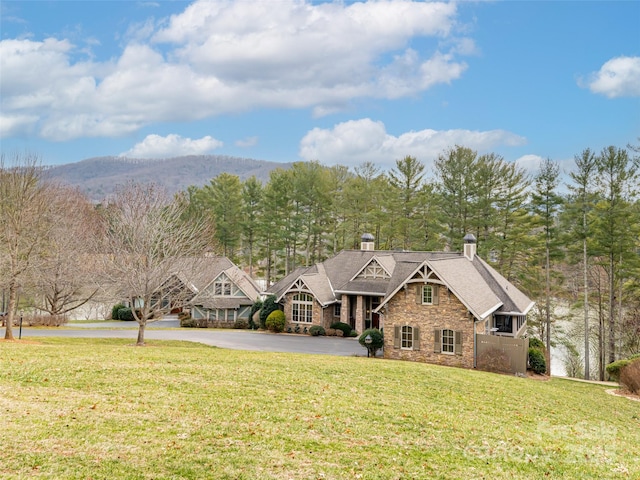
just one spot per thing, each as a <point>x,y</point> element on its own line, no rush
<point>339,82</point>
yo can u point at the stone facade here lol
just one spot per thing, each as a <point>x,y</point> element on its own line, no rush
<point>320,316</point>
<point>405,309</point>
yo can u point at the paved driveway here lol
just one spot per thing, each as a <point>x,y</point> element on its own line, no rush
<point>233,339</point>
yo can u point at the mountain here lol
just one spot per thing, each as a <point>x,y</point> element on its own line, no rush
<point>98,177</point>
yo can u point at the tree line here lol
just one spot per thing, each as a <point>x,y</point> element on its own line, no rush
<point>572,247</point>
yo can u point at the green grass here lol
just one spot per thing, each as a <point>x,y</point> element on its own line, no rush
<point>103,409</point>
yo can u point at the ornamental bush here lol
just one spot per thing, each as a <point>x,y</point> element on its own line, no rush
<point>115,311</point>
<point>537,362</point>
<point>614,369</point>
<point>126,314</point>
<point>275,321</point>
<point>377,340</point>
<point>536,343</point>
<point>317,330</point>
<point>345,327</point>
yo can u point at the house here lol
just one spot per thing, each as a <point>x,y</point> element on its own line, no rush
<point>214,289</point>
<point>226,297</point>
<point>446,308</point>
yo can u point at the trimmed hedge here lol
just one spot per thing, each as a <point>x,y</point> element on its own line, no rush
<point>317,330</point>
<point>377,340</point>
<point>537,362</point>
<point>275,321</point>
<point>345,327</point>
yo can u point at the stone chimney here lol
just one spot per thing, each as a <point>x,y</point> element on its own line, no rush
<point>367,242</point>
<point>469,246</point>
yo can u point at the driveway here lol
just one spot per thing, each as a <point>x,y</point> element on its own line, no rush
<point>232,339</point>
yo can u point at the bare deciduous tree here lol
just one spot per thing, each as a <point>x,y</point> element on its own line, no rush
<point>25,223</point>
<point>150,251</point>
<point>66,278</point>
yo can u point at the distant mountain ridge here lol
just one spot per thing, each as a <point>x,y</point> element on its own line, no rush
<point>98,177</point>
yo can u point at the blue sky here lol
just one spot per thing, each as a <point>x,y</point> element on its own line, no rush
<point>339,82</point>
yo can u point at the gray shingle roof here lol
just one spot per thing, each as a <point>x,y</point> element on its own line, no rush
<point>478,286</point>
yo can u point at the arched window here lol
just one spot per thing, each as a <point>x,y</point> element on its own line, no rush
<point>302,308</point>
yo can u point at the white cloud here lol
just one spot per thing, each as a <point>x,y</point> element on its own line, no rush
<point>219,57</point>
<point>530,163</point>
<point>618,77</point>
<point>156,146</point>
<point>357,141</point>
<point>247,142</point>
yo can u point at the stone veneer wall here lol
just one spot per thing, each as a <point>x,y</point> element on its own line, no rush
<point>450,313</point>
<point>321,316</point>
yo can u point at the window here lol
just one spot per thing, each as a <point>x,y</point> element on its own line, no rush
<point>427,294</point>
<point>407,337</point>
<point>222,287</point>
<point>302,308</point>
<point>336,309</point>
<point>448,341</point>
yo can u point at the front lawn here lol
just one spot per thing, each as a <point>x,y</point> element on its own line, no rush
<point>103,409</point>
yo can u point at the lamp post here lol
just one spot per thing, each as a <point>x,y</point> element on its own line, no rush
<point>367,341</point>
<point>20,334</point>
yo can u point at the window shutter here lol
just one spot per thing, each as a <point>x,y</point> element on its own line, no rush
<point>437,344</point>
<point>458,343</point>
<point>419,294</point>
<point>416,338</point>
<point>434,294</point>
<point>396,337</point>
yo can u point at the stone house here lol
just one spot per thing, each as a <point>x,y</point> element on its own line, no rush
<point>434,307</point>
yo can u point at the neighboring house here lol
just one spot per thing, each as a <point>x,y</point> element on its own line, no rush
<point>226,298</point>
<point>434,307</point>
<point>214,289</point>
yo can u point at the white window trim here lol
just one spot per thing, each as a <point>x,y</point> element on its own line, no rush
<point>422,294</point>
<point>307,305</point>
<point>402,337</point>
<point>453,344</point>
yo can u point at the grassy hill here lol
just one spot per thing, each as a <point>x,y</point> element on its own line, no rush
<point>97,177</point>
<point>88,408</point>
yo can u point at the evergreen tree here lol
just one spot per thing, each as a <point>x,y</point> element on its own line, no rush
<point>546,204</point>
<point>251,212</point>
<point>616,226</point>
<point>578,226</point>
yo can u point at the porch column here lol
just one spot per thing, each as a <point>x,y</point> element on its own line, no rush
<point>359,314</point>
<point>344,309</point>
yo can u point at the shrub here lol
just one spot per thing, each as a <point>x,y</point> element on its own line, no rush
<point>537,362</point>
<point>377,340</point>
<point>614,369</point>
<point>345,327</point>
<point>188,322</point>
<point>275,321</point>
<point>630,376</point>
<point>331,332</point>
<point>353,333</point>
<point>126,314</point>
<point>494,360</point>
<point>254,308</point>
<point>241,324</point>
<point>317,330</point>
<point>115,311</point>
<point>183,316</point>
<point>269,305</point>
<point>536,343</point>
